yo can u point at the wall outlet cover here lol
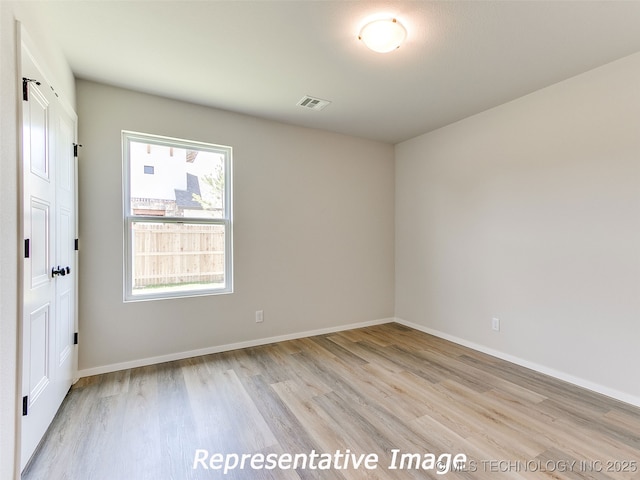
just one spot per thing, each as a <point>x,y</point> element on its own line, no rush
<point>495,324</point>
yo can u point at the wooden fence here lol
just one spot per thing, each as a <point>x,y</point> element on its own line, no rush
<point>175,254</point>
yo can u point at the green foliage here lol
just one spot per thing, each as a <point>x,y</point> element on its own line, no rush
<point>212,190</point>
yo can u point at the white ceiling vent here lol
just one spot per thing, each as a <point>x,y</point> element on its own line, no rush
<point>313,103</point>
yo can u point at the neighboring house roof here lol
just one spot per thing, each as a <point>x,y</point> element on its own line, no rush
<point>184,198</point>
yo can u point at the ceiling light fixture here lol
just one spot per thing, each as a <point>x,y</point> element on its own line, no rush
<point>383,35</point>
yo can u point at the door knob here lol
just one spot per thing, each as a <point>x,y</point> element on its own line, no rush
<point>60,271</point>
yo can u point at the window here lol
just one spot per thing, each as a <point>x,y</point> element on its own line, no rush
<point>177,217</point>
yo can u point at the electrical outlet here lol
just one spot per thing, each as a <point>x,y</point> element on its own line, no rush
<point>495,324</point>
<point>259,316</point>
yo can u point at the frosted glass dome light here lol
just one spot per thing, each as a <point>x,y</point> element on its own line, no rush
<point>383,36</point>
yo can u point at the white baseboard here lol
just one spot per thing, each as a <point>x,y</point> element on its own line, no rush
<point>580,382</point>
<point>143,362</point>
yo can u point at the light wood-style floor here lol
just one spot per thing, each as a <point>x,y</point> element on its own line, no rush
<point>369,390</point>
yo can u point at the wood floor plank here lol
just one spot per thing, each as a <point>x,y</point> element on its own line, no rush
<point>140,421</point>
<point>310,416</point>
<point>227,417</point>
<point>338,351</point>
<point>285,426</point>
<point>575,440</point>
<point>176,440</point>
<point>497,426</point>
<point>368,354</point>
<point>375,390</point>
<point>403,361</point>
<point>114,383</point>
<point>449,368</point>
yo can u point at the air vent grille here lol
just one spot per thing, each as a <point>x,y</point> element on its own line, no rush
<point>313,103</point>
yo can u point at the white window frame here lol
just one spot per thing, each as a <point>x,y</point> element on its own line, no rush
<point>129,218</point>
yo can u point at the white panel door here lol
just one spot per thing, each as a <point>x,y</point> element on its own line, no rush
<point>65,289</point>
<point>48,165</point>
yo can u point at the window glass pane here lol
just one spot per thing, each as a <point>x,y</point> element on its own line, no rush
<point>177,212</point>
<point>177,257</point>
<point>168,181</point>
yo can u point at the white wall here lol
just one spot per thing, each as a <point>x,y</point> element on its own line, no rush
<point>8,245</point>
<point>10,101</point>
<point>531,212</point>
<point>313,231</point>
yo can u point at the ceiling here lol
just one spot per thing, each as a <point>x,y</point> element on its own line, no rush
<point>262,57</point>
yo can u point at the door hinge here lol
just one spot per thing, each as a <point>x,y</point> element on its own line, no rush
<point>75,149</point>
<point>25,405</point>
<point>75,338</point>
<point>25,87</point>
<point>75,244</point>
<point>27,248</point>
